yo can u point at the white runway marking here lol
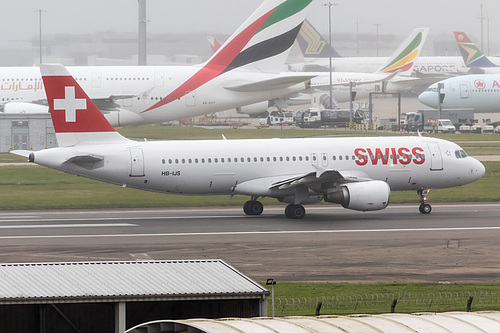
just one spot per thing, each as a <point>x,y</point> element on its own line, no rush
<point>40,226</point>
<point>239,233</point>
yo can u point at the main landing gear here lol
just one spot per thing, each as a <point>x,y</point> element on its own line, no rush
<point>253,207</point>
<point>293,211</point>
<point>424,208</point>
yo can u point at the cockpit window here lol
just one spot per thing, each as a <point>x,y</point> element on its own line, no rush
<point>460,154</point>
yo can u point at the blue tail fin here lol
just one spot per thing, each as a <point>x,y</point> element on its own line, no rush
<point>472,55</point>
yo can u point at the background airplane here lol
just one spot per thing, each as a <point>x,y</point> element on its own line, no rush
<point>316,52</point>
<point>358,173</point>
<point>480,92</point>
<point>475,60</point>
<point>245,70</point>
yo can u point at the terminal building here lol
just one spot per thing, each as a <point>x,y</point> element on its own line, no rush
<point>26,132</point>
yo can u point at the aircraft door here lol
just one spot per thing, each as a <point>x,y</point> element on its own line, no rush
<point>436,157</point>
<point>464,90</point>
<point>96,80</point>
<point>324,160</point>
<point>137,162</point>
<point>191,99</point>
<point>314,159</point>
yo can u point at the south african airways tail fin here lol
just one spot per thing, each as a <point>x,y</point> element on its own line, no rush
<point>403,58</point>
<point>472,55</point>
<point>312,44</point>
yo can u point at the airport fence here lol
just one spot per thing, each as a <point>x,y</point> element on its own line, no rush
<point>389,302</point>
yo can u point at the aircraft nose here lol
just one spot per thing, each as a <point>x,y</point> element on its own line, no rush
<point>477,170</point>
<point>428,98</point>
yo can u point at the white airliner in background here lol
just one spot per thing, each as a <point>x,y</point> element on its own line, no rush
<point>245,70</point>
<point>358,173</point>
<point>316,51</point>
<point>480,92</point>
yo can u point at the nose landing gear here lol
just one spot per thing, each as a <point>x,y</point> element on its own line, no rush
<point>424,208</point>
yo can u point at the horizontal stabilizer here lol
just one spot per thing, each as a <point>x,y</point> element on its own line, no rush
<point>23,153</point>
<point>281,82</point>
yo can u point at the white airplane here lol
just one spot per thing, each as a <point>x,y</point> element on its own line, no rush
<point>245,70</point>
<point>392,75</point>
<point>316,51</point>
<point>358,173</point>
<point>480,92</point>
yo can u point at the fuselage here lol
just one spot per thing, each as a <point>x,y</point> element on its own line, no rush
<point>220,167</point>
<point>444,65</point>
<point>138,92</point>
<point>479,92</point>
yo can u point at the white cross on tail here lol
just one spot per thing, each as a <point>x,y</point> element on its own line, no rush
<point>70,104</point>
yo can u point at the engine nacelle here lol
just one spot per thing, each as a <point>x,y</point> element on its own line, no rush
<point>123,117</point>
<point>256,109</point>
<point>363,196</point>
<point>23,107</point>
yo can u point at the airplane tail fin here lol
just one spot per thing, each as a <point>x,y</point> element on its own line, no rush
<point>472,55</point>
<point>312,44</point>
<point>262,43</point>
<point>75,117</point>
<point>403,58</point>
<point>214,44</point>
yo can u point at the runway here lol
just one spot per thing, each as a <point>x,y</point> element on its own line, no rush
<point>455,243</point>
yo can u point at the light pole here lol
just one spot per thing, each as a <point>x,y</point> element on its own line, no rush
<point>271,282</point>
<point>39,11</point>
<point>377,25</point>
<point>330,4</point>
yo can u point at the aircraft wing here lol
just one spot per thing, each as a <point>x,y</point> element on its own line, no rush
<point>271,84</point>
<point>313,181</point>
<point>324,84</point>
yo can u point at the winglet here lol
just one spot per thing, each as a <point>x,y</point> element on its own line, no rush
<point>75,117</point>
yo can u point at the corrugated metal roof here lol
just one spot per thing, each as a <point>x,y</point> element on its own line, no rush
<point>124,280</point>
<point>469,322</point>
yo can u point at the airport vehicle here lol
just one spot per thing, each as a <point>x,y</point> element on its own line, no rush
<point>427,119</point>
<point>480,92</point>
<point>245,70</point>
<point>314,118</point>
<point>316,51</point>
<point>358,173</point>
<point>475,60</point>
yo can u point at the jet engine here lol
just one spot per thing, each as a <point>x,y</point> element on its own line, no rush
<point>255,110</point>
<point>363,196</point>
<point>23,107</point>
<point>122,117</point>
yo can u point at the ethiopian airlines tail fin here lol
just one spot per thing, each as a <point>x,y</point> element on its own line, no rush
<point>312,44</point>
<point>403,59</point>
<point>75,117</point>
<point>472,55</point>
<point>262,43</point>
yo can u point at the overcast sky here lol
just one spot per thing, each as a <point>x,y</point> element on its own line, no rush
<point>399,17</point>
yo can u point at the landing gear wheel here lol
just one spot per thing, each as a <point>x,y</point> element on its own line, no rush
<point>295,211</point>
<point>253,208</point>
<point>425,208</point>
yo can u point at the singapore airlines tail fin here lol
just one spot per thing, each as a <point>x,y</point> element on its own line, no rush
<point>472,55</point>
<point>403,58</point>
<point>312,44</point>
<point>262,43</point>
<point>75,117</point>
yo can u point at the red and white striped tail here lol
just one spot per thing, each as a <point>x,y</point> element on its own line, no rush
<point>75,117</point>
